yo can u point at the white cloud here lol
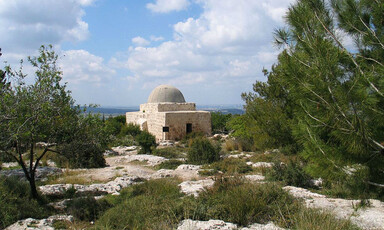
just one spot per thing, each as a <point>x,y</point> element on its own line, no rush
<point>80,66</point>
<point>227,45</point>
<point>165,6</point>
<point>27,24</point>
<point>139,41</point>
<point>156,39</point>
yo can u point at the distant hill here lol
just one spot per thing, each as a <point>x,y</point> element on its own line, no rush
<point>115,111</point>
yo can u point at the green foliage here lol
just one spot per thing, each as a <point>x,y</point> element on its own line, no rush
<point>171,164</point>
<point>291,174</point>
<point>87,208</point>
<point>16,204</point>
<point>320,220</point>
<point>130,129</point>
<point>230,166</point>
<point>169,152</point>
<point>152,205</point>
<point>202,151</point>
<point>146,141</point>
<point>85,149</point>
<point>219,122</point>
<point>242,203</point>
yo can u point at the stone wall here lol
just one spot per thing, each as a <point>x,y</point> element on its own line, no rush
<point>177,123</point>
<point>176,117</point>
<point>164,107</point>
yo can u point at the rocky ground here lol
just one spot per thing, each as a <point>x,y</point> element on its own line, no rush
<point>126,167</point>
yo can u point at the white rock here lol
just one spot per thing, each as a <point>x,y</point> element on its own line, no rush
<point>205,225</point>
<point>150,159</point>
<point>44,224</point>
<point>370,217</point>
<point>241,155</point>
<point>9,165</point>
<point>41,172</point>
<point>261,164</point>
<point>269,226</point>
<point>194,187</point>
<point>112,187</point>
<point>254,178</point>
<point>219,224</point>
<point>122,150</point>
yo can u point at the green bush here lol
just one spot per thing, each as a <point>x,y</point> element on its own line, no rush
<point>168,152</point>
<point>154,204</point>
<point>291,173</point>
<point>87,208</point>
<point>130,129</point>
<point>126,140</point>
<point>16,204</point>
<point>146,141</point>
<point>202,151</point>
<point>230,166</point>
<point>171,164</point>
<point>242,203</point>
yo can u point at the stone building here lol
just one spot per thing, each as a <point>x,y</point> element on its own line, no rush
<point>168,117</point>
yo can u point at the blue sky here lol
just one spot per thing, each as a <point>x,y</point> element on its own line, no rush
<point>114,52</point>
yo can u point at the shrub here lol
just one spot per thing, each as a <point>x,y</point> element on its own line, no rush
<point>146,141</point>
<point>154,204</point>
<point>231,166</point>
<point>291,173</point>
<point>87,208</point>
<point>243,203</point>
<point>171,164</point>
<point>127,140</point>
<point>168,152</point>
<point>16,204</point>
<point>202,151</point>
<point>130,129</point>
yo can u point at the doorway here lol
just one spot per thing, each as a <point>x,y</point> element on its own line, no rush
<point>189,128</point>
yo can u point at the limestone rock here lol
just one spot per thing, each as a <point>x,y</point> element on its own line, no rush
<point>370,217</point>
<point>205,225</point>
<point>260,164</point>
<point>194,187</point>
<point>150,159</point>
<point>219,224</point>
<point>41,172</point>
<point>122,150</point>
<point>241,155</point>
<point>254,178</point>
<point>44,224</point>
<point>112,187</point>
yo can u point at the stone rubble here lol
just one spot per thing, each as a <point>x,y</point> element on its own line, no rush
<point>240,155</point>
<point>219,224</point>
<point>43,224</point>
<point>369,217</point>
<point>260,164</point>
<point>195,187</point>
<point>122,150</point>
<point>150,159</point>
<point>112,187</point>
<point>41,173</point>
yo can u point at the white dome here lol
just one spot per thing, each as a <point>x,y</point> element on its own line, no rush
<point>166,93</point>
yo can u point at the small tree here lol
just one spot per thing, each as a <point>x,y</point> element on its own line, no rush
<point>40,112</point>
<point>202,151</point>
<point>146,141</point>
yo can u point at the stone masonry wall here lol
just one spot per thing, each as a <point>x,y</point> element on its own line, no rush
<point>177,122</point>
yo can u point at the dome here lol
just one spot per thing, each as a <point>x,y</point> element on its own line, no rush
<point>166,93</point>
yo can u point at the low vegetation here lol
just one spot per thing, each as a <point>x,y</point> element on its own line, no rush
<point>202,151</point>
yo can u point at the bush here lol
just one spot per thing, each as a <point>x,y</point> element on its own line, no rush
<point>171,164</point>
<point>291,173</point>
<point>168,152</point>
<point>234,201</point>
<point>16,204</point>
<point>87,208</point>
<point>130,129</point>
<point>154,204</point>
<point>231,166</point>
<point>146,141</point>
<point>201,151</point>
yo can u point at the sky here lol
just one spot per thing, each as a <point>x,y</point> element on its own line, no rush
<point>115,52</point>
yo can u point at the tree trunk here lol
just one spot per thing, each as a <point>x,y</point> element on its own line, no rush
<point>32,185</point>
